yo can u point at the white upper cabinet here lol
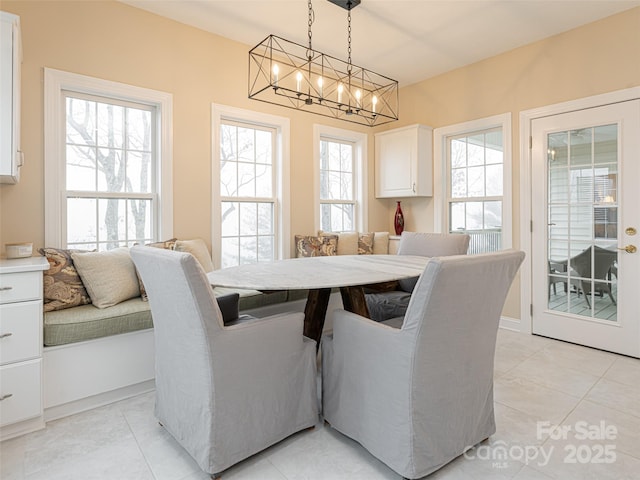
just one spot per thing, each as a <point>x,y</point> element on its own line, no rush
<point>404,162</point>
<point>10,60</point>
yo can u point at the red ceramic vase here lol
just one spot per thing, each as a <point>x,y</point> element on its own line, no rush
<point>398,220</point>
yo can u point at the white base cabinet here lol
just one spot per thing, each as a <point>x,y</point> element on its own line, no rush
<point>404,162</point>
<point>21,406</point>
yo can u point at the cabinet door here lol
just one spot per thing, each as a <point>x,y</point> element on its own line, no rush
<point>20,395</point>
<point>396,164</point>
<point>20,331</point>
<point>10,156</point>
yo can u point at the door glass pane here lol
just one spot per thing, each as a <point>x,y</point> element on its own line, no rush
<point>582,221</point>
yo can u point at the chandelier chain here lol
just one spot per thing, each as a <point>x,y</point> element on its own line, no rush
<point>311,20</point>
<point>349,37</point>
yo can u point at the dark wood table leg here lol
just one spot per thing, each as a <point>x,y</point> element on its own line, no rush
<point>354,301</point>
<point>315,312</point>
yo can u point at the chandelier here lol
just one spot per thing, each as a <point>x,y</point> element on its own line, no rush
<point>296,76</point>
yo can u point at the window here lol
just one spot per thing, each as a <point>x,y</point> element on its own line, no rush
<point>248,187</point>
<point>341,189</point>
<point>337,196</point>
<point>247,193</point>
<point>476,182</point>
<point>110,168</point>
<point>107,166</point>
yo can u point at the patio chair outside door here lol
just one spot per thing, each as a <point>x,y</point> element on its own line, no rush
<point>586,227</point>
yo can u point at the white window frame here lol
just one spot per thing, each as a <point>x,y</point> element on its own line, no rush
<point>220,113</point>
<point>359,141</point>
<point>441,175</point>
<point>55,83</point>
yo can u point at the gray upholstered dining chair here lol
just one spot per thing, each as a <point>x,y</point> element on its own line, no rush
<point>419,396</point>
<point>392,304</point>
<point>224,393</point>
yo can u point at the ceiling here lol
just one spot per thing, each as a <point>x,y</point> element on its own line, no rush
<point>408,40</point>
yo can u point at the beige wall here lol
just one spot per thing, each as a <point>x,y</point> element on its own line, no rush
<point>116,42</point>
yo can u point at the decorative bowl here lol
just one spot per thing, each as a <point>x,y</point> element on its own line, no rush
<point>19,250</point>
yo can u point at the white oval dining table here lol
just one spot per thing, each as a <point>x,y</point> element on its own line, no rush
<point>319,275</point>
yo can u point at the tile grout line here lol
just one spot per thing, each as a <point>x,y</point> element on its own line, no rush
<point>133,434</point>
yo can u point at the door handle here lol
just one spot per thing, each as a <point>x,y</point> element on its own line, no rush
<point>629,249</point>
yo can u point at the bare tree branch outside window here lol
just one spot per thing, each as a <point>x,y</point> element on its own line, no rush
<point>109,158</point>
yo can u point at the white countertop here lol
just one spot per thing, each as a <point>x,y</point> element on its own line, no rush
<point>319,272</point>
<point>29,264</point>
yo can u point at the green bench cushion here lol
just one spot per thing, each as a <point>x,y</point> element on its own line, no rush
<point>86,322</point>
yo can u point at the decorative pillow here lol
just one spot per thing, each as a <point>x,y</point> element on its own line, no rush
<point>167,245</point>
<point>63,287</point>
<point>347,242</point>
<point>109,277</point>
<point>198,249</point>
<point>365,243</point>
<point>381,243</point>
<point>310,246</point>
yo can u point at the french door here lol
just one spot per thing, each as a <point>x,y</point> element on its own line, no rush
<point>586,227</point>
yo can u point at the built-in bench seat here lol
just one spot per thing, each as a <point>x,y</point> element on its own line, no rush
<point>87,322</point>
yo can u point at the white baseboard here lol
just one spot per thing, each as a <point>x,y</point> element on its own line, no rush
<point>509,323</point>
<point>95,401</point>
<point>21,428</point>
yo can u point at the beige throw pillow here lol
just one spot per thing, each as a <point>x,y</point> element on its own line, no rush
<point>109,277</point>
<point>198,249</point>
<point>347,242</point>
<point>381,243</point>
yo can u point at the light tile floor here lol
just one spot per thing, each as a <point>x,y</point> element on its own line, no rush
<point>539,383</point>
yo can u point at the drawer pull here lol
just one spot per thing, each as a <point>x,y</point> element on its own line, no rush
<point>5,335</point>
<point>4,397</point>
<point>2,289</point>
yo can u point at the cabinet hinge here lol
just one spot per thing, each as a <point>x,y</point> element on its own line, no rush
<point>531,226</point>
<point>530,142</point>
<point>531,309</point>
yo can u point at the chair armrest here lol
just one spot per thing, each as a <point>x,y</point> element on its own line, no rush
<point>370,360</point>
<point>229,307</point>
<point>356,336</point>
<point>262,337</point>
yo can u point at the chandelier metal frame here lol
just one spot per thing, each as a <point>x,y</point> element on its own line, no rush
<point>285,73</point>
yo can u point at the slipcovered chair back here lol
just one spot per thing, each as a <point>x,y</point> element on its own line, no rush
<point>451,327</point>
<point>419,396</point>
<point>430,245</point>
<point>433,244</point>
<point>186,319</point>
<point>223,392</point>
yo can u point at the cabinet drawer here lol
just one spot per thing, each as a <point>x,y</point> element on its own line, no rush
<point>20,392</point>
<point>20,331</point>
<point>19,287</point>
